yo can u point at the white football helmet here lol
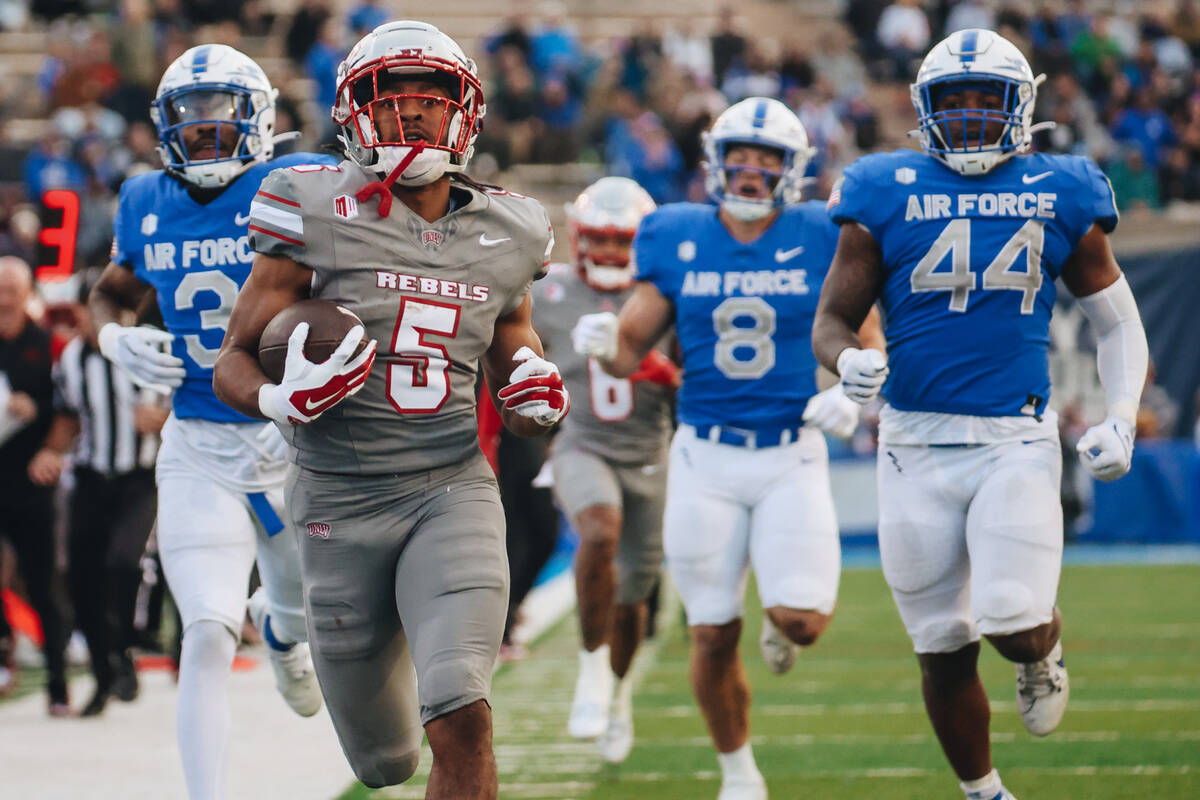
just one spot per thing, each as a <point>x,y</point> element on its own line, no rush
<point>408,48</point>
<point>975,59</point>
<point>217,87</point>
<point>757,121</point>
<point>609,207</point>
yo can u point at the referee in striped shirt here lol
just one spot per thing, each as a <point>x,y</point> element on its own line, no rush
<point>113,505</point>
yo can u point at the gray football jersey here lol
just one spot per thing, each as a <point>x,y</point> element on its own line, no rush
<point>625,422</point>
<point>429,292</point>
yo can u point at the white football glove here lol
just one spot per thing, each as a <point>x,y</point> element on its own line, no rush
<point>1106,450</point>
<point>535,389</point>
<point>308,390</point>
<point>138,352</point>
<point>863,373</point>
<point>832,412</point>
<point>271,442</point>
<point>595,335</point>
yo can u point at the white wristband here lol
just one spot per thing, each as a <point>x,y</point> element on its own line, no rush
<point>266,400</point>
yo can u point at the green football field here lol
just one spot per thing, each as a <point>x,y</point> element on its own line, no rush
<point>847,722</point>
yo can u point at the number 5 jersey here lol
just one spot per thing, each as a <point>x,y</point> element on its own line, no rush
<point>969,265</point>
<point>429,292</point>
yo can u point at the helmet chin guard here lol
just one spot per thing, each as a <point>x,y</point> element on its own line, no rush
<point>611,208</point>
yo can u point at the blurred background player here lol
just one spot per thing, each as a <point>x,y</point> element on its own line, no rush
<point>609,459</point>
<point>970,526</point>
<point>405,575</point>
<point>180,235</point>
<point>749,479</point>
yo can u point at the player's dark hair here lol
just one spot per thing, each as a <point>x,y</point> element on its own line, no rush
<point>474,184</point>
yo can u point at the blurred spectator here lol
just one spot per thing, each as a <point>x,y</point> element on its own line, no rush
<point>969,14</point>
<point>904,34</point>
<point>560,111</point>
<point>689,51</point>
<point>514,33</point>
<point>754,75</point>
<point>640,58</point>
<point>1186,25</point>
<point>366,17</point>
<point>1095,54</point>
<point>823,123</point>
<point>651,158</point>
<point>554,46</point>
<point>728,44</point>
<point>1123,29</point>
<point>1158,412</point>
<point>862,17</point>
<point>51,166</point>
<point>135,55</point>
<point>1146,127</point>
<point>837,63</point>
<point>795,68</point>
<point>1134,183</point>
<point>321,65</point>
<point>1050,41</point>
<point>513,101</point>
<point>29,468</point>
<point>305,29</point>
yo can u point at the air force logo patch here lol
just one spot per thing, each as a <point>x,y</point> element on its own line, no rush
<point>906,175</point>
<point>149,224</point>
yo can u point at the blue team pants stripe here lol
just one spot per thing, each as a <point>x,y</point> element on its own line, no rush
<point>265,513</point>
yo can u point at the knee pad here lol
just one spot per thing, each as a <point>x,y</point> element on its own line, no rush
<point>1004,607</point>
<point>453,680</point>
<point>379,770</point>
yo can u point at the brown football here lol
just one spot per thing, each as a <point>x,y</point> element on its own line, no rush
<point>328,324</point>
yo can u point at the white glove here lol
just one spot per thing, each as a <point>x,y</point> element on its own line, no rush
<point>138,352</point>
<point>1106,450</point>
<point>863,373</point>
<point>535,389</point>
<point>271,442</point>
<point>595,335</point>
<point>308,390</point>
<point>832,412</point>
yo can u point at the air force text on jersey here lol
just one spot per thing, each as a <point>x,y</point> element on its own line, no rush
<point>986,204</point>
<point>224,251</point>
<point>750,283</point>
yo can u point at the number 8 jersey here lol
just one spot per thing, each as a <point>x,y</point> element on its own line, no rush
<point>429,292</point>
<point>196,256</point>
<point>969,265</point>
<point>743,311</point>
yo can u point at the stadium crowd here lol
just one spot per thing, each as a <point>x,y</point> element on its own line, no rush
<point>1123,87</point>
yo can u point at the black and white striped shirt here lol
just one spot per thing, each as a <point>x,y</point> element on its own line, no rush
<point>87,385</point>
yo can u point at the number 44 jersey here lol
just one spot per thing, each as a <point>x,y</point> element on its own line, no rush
<point>429,292</point>
<point>743,310</point>
<point>969,265</point>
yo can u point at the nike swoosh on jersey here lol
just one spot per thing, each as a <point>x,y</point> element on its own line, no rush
<point>239,219</point>
<point>486,242</point>
<point>782,255</point>
<point>1027,179</point>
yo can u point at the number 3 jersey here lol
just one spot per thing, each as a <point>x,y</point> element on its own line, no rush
<point>743,311</point>
<point>429,292</point>
<point>626,422</point>
<point>969,265</point>
<point>196,256</point>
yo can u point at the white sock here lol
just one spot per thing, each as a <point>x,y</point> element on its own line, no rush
<point>622,704</point>
<point>202,716</point>
<point>739,763</point>
<point>985,788</point>
<point>594,663</point>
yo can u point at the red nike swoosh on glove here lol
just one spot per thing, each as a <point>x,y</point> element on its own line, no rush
<point>321,399</point>
<point>552,381</point>
<point>556,398</point>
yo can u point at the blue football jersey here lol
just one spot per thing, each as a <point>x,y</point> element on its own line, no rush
<point>196,257</point>
<point>969,269</point>
<point>743,311</point>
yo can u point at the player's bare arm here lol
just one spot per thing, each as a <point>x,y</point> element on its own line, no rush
<point>848,298</point>
<point>137,351</point>
<point>118,290</point>
<point>514,332</point>
<point>274,284</point>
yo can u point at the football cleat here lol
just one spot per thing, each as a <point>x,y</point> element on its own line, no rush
<point>1042,692</point>
<point>777,650</point>
<point>593,695</point>
<point>294,675</point>
<point>743,787</point>
<point>617,741</point>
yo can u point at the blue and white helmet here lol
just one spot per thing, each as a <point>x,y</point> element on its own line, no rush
<point>759,121</point>
<point>215,86</point>
<point>975,59</point>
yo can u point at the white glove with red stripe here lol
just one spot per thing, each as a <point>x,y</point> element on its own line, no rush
<point>535,389</point>
<point>308,390</point>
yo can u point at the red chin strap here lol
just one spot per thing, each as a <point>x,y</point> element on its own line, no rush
<point>383,188</point>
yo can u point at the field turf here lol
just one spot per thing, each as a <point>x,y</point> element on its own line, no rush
<point>847,722</point>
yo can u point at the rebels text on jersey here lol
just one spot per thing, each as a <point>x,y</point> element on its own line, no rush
<point>429,292</point>
<point>969,267</point>
<point>743,310</point>
<point>626,422</point>
<point>196,256</point>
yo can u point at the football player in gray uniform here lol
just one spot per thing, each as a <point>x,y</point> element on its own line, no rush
<point>398,515</point>
<point>609,459</point>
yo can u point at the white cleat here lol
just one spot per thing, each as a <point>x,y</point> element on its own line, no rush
<point>617,741</point>
<point>294,675</point>
<point>593,695</point>
<point>743,788</point>
<point>1042,692</point>
<point>777,650</point>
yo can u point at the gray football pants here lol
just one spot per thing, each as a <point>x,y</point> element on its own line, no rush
<point>406,589</point>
